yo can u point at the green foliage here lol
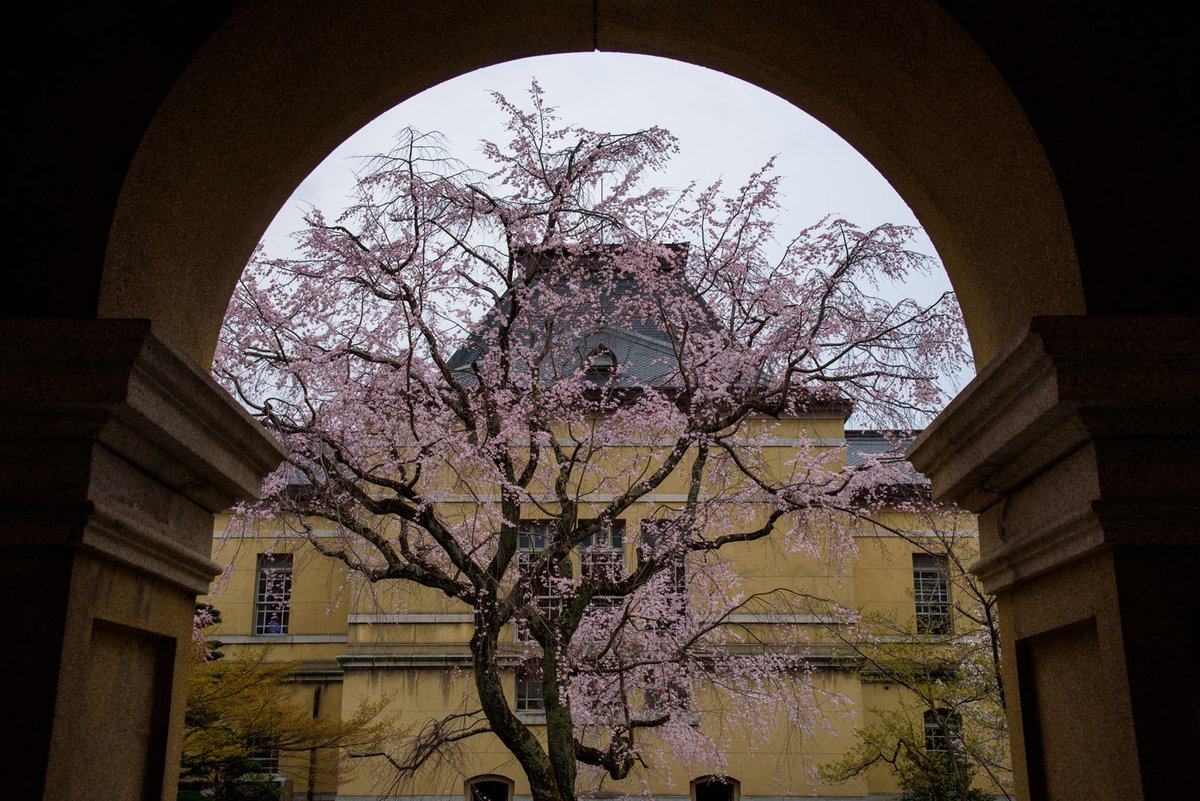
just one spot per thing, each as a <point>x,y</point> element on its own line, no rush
<point>241,707</point>
<point>953,675</point>
<point>248,787</point>
<point>897,739</point>
<point>940,781</point>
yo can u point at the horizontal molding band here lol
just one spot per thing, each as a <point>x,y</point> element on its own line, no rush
<point>279,639</point>
<point>411,617</point>
<point>319,674</point>
<point>598,497</point>
<point>426,618</point>
<point>879,533</point>
<point>412,661</point>
<point>384,661</point>
<point>479,498</point>
<point>856,534</point>
<point>775,619</point>
<point>668,442</point>
<point>121,532</point>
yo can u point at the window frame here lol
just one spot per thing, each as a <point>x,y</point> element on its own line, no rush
<point>601,361</point>
<point>494,778</point>
<point>533,537</point>
<point>273,586</point>
<point>675,575</point>
<point>265,755</point>
<point>942,727</point>
<point>605,550</point>
<point>933,607</point>
<point>528,676</point>
<point>735,786</point>
<point>669,690</point>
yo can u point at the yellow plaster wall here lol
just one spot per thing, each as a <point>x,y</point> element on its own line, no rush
<point>393,623</point>
<point>784,765</point>
<point>321,590</point>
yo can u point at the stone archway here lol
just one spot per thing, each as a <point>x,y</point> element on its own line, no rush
<point>266,98</point>
<point>1076,442</point>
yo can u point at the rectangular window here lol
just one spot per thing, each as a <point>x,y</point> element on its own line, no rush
<point>942,728</point>
<point>540,582</point>
<point>671,582</point>
<point>263,754</point>
<point>529,689</point>
<point>931,592</point>
<point>666,696</point>
<point>273,594</point>
<point>602,557</point>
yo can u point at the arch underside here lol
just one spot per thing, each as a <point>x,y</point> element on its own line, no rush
<point>1044,151</point>
<point>270,95</point>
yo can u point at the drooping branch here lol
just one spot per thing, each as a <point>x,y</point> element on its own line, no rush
<point>427,363</point>
<point>430,741</point>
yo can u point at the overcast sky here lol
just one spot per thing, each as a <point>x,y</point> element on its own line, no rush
<point>726,128</point>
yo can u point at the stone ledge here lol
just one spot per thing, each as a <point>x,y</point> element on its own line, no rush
<point>399,618</point>
<point>120,535</point>
<point>120,383</point>
<point>1080,435</point>
<point>1068,379</point>
<point>280,639</point>
<point>114,441</point>
<point>410,661</point>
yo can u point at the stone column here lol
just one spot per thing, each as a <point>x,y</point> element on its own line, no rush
<point>1077,446</point>
<point>117,450</point>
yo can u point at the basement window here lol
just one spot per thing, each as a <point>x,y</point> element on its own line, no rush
<point>716,788</point>
<point>489,788</point>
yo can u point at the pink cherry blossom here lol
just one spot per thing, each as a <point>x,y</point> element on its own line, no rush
<point>478,373</point>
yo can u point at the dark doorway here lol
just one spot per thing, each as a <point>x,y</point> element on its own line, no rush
<point>489,790</point>
<point>713,790</point>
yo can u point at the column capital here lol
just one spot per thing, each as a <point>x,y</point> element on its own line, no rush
<point>123,384</point>
<point>115,440</point>
<point>1080,434</point>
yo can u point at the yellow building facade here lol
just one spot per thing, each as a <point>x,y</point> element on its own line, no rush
<point>356,643</point>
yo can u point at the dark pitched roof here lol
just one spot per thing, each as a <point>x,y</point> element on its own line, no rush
<point>644,352</point>
<point>642,349</point>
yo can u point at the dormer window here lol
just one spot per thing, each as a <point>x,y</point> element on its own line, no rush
<point>601,361</point>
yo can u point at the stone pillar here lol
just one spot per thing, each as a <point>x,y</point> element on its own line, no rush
<point>1077,446</point>
<point>117,450</point>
